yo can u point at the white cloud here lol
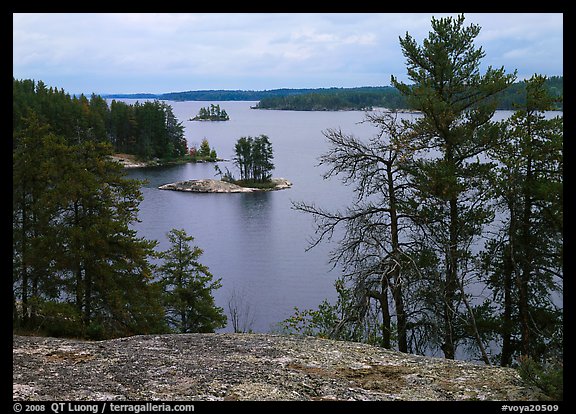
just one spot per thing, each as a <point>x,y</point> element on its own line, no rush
<point>160,52</point>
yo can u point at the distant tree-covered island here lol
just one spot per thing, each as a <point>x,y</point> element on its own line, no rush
<point>340,99</point>
<point>211,113</point>
<point>336,99</point>
<point>368,98</point>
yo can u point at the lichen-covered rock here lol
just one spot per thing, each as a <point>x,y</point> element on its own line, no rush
<point>246,367</point>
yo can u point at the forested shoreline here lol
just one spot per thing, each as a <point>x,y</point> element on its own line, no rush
<point>336,99</point>
<point>147,130</point>
<point>79,268</point>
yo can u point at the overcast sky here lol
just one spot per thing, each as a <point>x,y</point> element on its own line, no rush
<point>157,53</point>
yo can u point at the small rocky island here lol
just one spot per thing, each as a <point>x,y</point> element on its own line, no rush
<point>221,186</point>
<point>211,113</point>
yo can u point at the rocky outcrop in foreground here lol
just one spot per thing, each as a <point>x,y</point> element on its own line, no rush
<point>246,367</point>
<point>219,186</point>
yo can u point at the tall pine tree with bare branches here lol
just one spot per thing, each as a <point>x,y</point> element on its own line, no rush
<point>456,102</point>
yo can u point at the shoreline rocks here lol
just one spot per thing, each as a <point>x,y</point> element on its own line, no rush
<point>219,186</point>
<point>129,161</point>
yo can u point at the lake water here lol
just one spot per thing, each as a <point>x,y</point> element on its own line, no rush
<point>256,243</point>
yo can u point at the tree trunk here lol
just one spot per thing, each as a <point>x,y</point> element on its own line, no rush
<point>79,289</point>
<point>397,284</point>
<point>78,267</point>
<point>448,347</point>
<point>524,313</point>
<point>386,329</point>
<point>525,259</point>
<point>474,327</point>
<point>24,266</point>
<point>400,317</point>
<point>507,351</point>
<point>87,296</point>
<point>382,298</point>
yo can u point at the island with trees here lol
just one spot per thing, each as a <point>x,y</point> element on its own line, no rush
<point>211,113</point>
<point>254,162</point>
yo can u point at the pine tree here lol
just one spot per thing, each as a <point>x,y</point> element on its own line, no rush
<point>177,145</point>
<point>72,241</point>
<point>525,264</point>
<point>204,150</point>
<point>262,155</point>
<point>31,217</point>
<point>254,158</point>
<point>243,159</point>
<point>187,285</point>
<point>455,101</point>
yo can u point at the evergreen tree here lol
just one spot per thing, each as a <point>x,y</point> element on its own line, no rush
<point>254,158</point>
<point>243,158</point>
<point>177,145</point>
<point>211,113</point>
<point>107,265</point>
<point>123,126</point>
<point>72,241</point>
<point>525,264</point>
<point>188,286</point>
<point>262,155</point>
<point>31,218</point>
<point>452,198</point>
<point>204,150</point>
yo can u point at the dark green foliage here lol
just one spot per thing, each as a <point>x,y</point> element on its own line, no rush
<point>452,188</point>
<point>211,113</point>
<point>148,130</point>
<point>72,241</point>
<point>58,319</point>
<point>455,236</point>
<point>254,159</point>
<point>524,263</point>
<point>204,153</point>
<point>187,287</point>
<point>204,150</point>
<point>78,268</point>
<point>155,132</point>
<point>336,99</point>
<point>549,376</point>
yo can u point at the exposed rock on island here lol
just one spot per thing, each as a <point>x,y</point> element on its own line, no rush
<point>219,186</point>
<point>202,367</point>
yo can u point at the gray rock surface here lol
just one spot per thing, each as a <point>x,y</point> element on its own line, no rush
<point>201,367</point>
<point>218,186</point>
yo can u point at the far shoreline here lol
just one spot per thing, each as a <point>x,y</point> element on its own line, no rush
<point>131,161</point>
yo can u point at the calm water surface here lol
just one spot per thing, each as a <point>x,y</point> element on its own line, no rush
<point>256,243</point>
